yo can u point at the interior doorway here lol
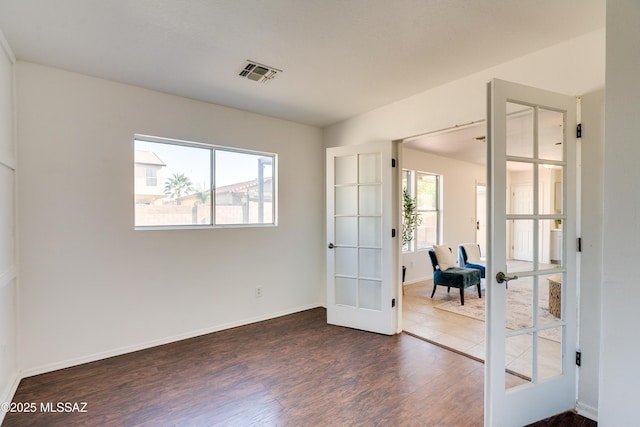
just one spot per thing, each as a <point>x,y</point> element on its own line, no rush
<point>458,156</point>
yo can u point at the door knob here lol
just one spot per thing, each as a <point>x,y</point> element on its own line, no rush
<point>501,277</point>
<point>331,246</point>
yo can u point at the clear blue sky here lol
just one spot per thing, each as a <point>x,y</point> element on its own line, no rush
<point>194,163</point>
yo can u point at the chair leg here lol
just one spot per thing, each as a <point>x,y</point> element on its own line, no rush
<point>448,289</point>
<point>479,292</point>
<point>434,290</point>
<point>461,296</point>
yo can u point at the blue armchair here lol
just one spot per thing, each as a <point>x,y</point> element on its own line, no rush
<point>454,277</point>
<point>469,257</point>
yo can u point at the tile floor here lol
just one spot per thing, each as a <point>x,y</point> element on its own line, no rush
<point>465,334</point>
<point>420,317</point>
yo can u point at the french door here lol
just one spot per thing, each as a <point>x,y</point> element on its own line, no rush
<point>531,301</point>
<point>362,242</point>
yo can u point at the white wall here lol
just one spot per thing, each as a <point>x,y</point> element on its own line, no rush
<point>619,372</point>
<point>458,205</point>
<point>9,374</point>
<point>575,67</point>
<point>91,286</point>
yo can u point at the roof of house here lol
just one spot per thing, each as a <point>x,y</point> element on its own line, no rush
<point>231,188</point>
<point>148,158</point>
<point>240,186</point>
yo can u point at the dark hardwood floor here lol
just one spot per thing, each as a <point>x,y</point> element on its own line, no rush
<point>292,371</point>
<point>567,419</point>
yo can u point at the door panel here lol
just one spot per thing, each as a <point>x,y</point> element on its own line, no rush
<point>531,319</point>
<point>362,253</point>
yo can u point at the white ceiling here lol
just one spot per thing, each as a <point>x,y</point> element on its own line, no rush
<point>468,142</point>
<point>339,58</point>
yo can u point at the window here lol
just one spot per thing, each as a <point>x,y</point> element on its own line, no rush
<point>407,185</point>
<point>182,184</point>
<point>152,177</point>
<point>425,189</point>
<point>428,201</point>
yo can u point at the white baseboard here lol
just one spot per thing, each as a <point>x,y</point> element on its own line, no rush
<point>9,391</point>
<point>587,411</point>
<point>154,343</point>
<point>420,279</point>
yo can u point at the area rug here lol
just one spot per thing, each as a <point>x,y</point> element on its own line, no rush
<point>519,301</point>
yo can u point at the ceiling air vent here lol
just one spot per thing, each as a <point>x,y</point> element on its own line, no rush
<point>258,72</point>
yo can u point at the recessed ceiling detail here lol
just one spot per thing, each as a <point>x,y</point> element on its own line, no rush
<point>258,72</point>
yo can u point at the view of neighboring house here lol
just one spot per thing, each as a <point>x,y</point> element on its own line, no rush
<point>237,203</point>
<point>149,181</point>
<point>245,202</point>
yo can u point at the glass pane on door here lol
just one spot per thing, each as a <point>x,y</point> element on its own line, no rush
<point>346,200</point>
<point>369,231</point>
<point>520,297</point>
<point>370,265</point>
<point>520,196</point>
<point>370,200</point>
<point>346,170</point>
<point>550,245</point>
<point>346,231</point>
<point>369,168</point>
<point>550,300</point>
<point>520,236</point>
<point>346,261</point>
<point>519,360</point>
<point>550,134</point>
<point>346,289</point>
<point>519,130</point>
<point>549,353</point>
<point>358,231</point>
<point>550,189</point>
<point>370,294</point>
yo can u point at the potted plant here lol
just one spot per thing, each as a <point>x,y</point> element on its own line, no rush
<point>411,219</point>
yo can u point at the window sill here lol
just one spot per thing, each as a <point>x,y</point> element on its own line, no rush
<point>199,227</point>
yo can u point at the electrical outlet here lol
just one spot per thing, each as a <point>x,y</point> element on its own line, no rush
<point>258,291</point>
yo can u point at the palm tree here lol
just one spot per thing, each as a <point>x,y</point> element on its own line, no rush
<point>204,195</point>
<point>178,185</point>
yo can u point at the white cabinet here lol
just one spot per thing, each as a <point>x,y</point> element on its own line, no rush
<point>556,246</point>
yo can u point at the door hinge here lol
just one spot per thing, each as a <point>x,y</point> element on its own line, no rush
<point>579,131</point>
<point>393,232</point>
<point>393,163</point>
<point>578,358</point>
<point>393,302</point>
<point>579,244</point>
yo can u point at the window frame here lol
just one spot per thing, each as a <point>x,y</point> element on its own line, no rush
<point>151,176</point>
<point>212,148</point>
<point>410,176</point>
